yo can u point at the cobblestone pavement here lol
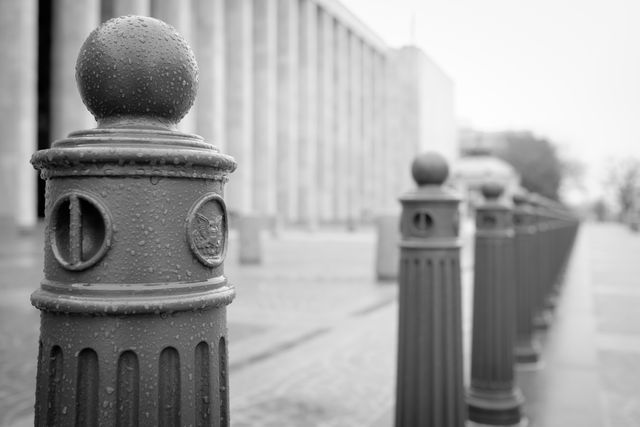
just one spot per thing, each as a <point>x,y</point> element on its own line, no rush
<point>313,336</point>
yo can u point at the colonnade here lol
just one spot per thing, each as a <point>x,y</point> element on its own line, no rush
<point>297,91</point>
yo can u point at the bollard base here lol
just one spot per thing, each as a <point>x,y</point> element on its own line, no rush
<point>530,367</point>
<point>386,278</point>
<point>527,353</point>
<point>491,408</point>
<point>524,422</point>
<point>543,320</point>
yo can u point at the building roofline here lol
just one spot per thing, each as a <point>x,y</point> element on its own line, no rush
<point>353,23</point>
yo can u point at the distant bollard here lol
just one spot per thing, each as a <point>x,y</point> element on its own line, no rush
<point>133,304</point>
<point>562,233</point>
<point>541,313</point>
<point>430,389</point>
<point>526,263</point>
<point>493,398</point>
<point>387,250</point>
<point>547,251</point>
<point>250,239</point>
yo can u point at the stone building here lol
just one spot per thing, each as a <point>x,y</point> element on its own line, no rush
<point>322,116</point>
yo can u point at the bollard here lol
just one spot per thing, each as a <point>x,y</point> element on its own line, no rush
<point>430,390</point>
<point>541,315</point>
<point>493,399</point>
<point>133,303</point>
<point>527,349</point>
<point>388,238</point>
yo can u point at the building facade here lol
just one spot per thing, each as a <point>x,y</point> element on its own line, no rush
<point>321,115</point>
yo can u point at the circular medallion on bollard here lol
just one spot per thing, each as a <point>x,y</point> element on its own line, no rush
<point>80,230</point>
<point>423,221</point>
<point>207,230</point>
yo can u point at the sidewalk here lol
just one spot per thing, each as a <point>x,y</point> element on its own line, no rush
<point>313,335</point>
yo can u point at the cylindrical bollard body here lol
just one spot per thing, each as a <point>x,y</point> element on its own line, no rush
<point>493,398</point>
<point>542,314</point>
<point>430,390</point>
<point>526,262</point>
<point>133,303</point>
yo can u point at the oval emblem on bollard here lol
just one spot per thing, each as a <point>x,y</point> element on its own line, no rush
<point>80,230</point>
<point>207,230</point>
<point>422,221</point>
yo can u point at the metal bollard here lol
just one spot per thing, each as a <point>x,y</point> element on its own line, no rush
<point>133,303</point>
<point>430,390</point>
<point>527,348</point>
<point>542,314</point>
<point>493,398</point>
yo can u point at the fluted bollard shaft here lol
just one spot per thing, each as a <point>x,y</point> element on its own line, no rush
<point>542,314</point>
<point>526,263</point>
<point>493,398</point>
<point>133,303</point>
<point>429,377</point>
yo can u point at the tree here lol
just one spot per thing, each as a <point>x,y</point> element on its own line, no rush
<point>535,159</point>
<point>624,179</point>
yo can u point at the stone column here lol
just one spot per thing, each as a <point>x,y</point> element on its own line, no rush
<point>238,100</point>
<point>18,116</point>
<point>384,196</point>
<point>355,151</point>
<point>326,117</point>
<point>287,107</point>
<point>368,149</point>
<point>308,147</point>
<point>178,13</point>
<point>72,22</point>
<point>493,397</point>
<point>265,80</point>
<point>115,8</point>
<point>342,125</point>
<point>209,48</point>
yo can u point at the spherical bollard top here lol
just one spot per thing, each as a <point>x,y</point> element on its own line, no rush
<point>136,68</point>
<point>429,168</point>
<point>492,190</point>
<point>520,197</point>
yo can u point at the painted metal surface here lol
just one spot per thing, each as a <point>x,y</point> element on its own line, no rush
<point>133,322</point>
<point>493,397</point>
<point>430,389</point>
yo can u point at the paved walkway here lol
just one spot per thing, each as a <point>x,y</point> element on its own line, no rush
<point>313,336</point>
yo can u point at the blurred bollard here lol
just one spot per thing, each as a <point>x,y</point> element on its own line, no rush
<point>133,304</point>
<point>250,239</point>
<point>557,229</point>
<point>542,316</point>
<point>493,398</point>
<point>387,251</point>
<point>526,263</point>
<point>430,390</point>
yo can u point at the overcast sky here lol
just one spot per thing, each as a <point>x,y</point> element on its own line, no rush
<point>565,69</point>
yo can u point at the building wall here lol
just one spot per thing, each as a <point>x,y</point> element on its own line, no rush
<point>321,115</point>
<point>421,113</point>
